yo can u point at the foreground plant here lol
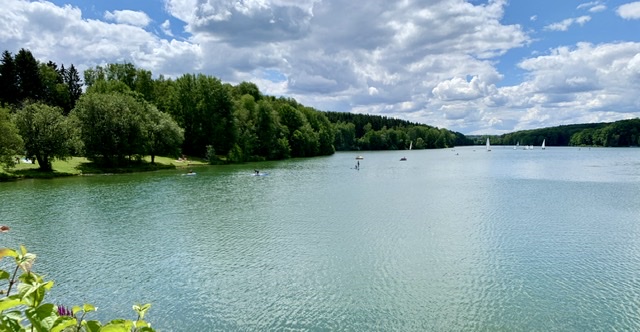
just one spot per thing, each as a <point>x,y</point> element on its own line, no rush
<point>23,308</point>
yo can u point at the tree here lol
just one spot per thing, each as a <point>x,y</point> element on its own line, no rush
<point>11,144</point>
<point>164,135</point>
<point>74,87</point>
<point>28,76</point>
<point>8,80</point>
<point>112,127</point>
<point>54,91</point>
<point>47,134</point>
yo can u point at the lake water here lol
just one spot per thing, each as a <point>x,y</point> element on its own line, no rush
<point>449,240</point>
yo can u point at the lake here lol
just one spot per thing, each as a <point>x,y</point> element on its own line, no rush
<point>448,240</point>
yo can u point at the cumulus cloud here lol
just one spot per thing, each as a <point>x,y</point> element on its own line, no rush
<point>459,88</point>
<point>566,23</point>
<point>629,11</point>
<point>62,35</point>
<point>247,22</point>
<point>166,28</point>
<point>130,17</point>
<point>433,62</point>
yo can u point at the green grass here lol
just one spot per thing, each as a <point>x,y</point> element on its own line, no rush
<point>80,165</point>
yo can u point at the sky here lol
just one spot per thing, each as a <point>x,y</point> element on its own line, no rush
<point>474,66</point>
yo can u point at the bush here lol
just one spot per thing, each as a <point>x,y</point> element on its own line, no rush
<point>23,308</point>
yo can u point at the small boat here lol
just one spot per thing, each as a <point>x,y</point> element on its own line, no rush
<point>190,174</point>
<point>359,157</point>
<point>403,159</point>
<point>543,143</point>
<point>488,145</point>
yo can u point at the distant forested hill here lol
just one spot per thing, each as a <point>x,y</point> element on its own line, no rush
<point>375,132</point>
<point>615,134</point>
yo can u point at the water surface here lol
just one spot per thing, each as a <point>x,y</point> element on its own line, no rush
<point>455,239</point>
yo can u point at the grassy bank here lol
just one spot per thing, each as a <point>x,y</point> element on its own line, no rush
<point>79,165</point>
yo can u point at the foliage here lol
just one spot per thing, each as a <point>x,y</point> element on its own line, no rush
<point>117,127</point>
<point>11,144</point>
<point>8,80</point>
<point>28,81</point>
<point>26,309</point>
<point>374,132</point>
<point>616,134</point>
<point>47,134</point>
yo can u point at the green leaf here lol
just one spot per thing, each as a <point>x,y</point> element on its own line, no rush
<point>118,325</point>
<point>92,325</point>
<point>141,323</point>
<point>62,323</point>
<point>75,309</point>
<point>141,309</point>
<point>43,317</point>
<point>6,252</point>
<point>10,321</point>
<point>88,307</point>
<point>4,275</point>
<point>10,302</point>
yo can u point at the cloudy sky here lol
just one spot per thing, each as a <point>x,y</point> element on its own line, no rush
<point>474,66</point>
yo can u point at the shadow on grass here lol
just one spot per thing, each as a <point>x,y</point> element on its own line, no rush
<point>82,169</point>
<point>32,173</point>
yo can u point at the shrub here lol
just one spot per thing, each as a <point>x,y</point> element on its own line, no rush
<point>23,307</point>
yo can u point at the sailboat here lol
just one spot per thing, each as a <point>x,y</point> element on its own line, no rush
<point>410,145</point>
<point>543,143</point>
<point>488,145</point>
<point>517,145</point>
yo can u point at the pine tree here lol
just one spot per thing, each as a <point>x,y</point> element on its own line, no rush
<point>8,80</point>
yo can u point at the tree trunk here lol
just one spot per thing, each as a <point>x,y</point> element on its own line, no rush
<point>44,163</point>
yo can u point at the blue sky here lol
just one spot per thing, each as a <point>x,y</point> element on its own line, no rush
<point>471,66</point>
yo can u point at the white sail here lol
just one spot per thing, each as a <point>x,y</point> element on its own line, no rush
<point>488,145</point>
<point>543,143</point>
<point>410,145</point>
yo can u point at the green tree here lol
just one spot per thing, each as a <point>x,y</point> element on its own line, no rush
<point>164,135</point>
<point>74,87</point>
<point>47,134</point>
<point>8,80</point>
<point>112,127</point>
<point>28,76</point>
<point>11,144</point>
<point>54,91</point>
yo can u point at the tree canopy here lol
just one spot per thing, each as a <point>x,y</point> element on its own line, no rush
<point>47,134</point>
<point>11,144</point>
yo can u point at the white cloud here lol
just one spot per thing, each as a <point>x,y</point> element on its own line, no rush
<point>629,11</point>
<point>62,35</point>
<point>130,17</point>
<point>565,24</point>
<point>458,88</point>
<point>435,62</point>
<point>166,28</point>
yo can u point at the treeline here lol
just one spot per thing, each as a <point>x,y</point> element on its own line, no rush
<point>615,134</point>
<point>374,132</point>
<point>125,114</point>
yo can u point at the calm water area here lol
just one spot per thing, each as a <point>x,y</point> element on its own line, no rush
<point>448,240</point>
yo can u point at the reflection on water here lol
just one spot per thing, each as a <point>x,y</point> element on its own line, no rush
<point>447,240</point>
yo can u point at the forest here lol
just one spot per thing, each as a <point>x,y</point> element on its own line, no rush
<point>120,113</point>
<point>623,133</point>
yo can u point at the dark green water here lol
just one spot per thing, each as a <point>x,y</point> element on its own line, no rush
<point>508,240</point>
